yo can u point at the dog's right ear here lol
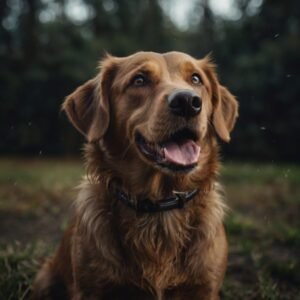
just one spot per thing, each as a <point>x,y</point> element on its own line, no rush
<point>225,105</point>
<point>88,106</point>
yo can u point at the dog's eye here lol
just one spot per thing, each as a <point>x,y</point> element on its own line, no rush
<point>196,79</point>
<point>139,80</point>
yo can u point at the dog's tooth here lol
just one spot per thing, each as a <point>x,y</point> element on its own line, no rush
<point>158,148</point>
<point>161,153</point>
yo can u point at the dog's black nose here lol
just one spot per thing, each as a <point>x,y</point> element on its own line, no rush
<point>184,103</point>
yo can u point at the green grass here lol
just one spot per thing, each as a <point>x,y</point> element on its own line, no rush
<point>260,173</point>
<point>40,172</point>
<point>27,186</point>
<point>263,224</point>
<point>263,228</point>
<point>18,265</point>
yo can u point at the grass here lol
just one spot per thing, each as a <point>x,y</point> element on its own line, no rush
<point>18,264</point>
<point>262,225</point>
<point>263,230</point>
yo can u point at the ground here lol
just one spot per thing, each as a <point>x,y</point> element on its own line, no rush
<point>262,224</point>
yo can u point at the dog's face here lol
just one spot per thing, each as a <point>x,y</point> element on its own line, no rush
<point>158,108</point>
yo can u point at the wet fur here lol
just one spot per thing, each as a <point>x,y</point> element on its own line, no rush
<point>112,252</point>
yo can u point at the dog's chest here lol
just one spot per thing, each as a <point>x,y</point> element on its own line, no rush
<point>156,247</point>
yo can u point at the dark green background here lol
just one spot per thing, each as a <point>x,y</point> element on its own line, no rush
<point>41,62</point>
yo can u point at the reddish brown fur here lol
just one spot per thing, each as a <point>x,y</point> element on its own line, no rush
<point>110,251</point>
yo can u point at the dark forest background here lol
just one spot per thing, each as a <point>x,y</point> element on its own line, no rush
<point>45,53</point>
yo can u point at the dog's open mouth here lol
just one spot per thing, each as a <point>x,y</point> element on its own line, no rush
<point>179,152</point>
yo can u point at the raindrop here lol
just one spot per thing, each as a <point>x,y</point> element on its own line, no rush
<point>29,124</point>
<point>262,128</point>
<point>276,35</point>
<point>41,152</point>
<point>288,75</point>
<point>12,127</point>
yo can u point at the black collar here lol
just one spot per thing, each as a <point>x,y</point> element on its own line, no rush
<point>178,200</point>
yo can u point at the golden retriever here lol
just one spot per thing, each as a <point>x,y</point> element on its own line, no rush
<point>148,222</point>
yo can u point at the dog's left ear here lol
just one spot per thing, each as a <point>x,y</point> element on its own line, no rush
<point>225,113</point>
<point>225,106</point>
<point>88,106</point>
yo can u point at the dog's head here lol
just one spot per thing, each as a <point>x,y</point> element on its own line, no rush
<point>158,108</point>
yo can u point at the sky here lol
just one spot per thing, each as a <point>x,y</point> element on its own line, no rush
<point>179,10</point>
<point>176,9</point>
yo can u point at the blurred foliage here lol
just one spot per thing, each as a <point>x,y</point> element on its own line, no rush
<point>45,52</point>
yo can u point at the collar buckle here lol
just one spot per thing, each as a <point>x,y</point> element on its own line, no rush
<point>180,198</point>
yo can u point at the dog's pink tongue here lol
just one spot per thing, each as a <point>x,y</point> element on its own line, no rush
<point>186,153</point>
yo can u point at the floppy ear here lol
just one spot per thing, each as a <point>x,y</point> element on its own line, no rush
<point>88,106</point>
<point>225,113</point>
<point>225,106</point>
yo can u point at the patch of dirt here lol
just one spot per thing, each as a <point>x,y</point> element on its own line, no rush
<point>26,216</point>
<point>26,229</point>
<point>266,203</point>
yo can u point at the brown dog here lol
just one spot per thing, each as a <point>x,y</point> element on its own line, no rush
<point>148,220</point>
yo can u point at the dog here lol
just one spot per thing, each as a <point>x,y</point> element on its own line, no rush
<point>148,221</point>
